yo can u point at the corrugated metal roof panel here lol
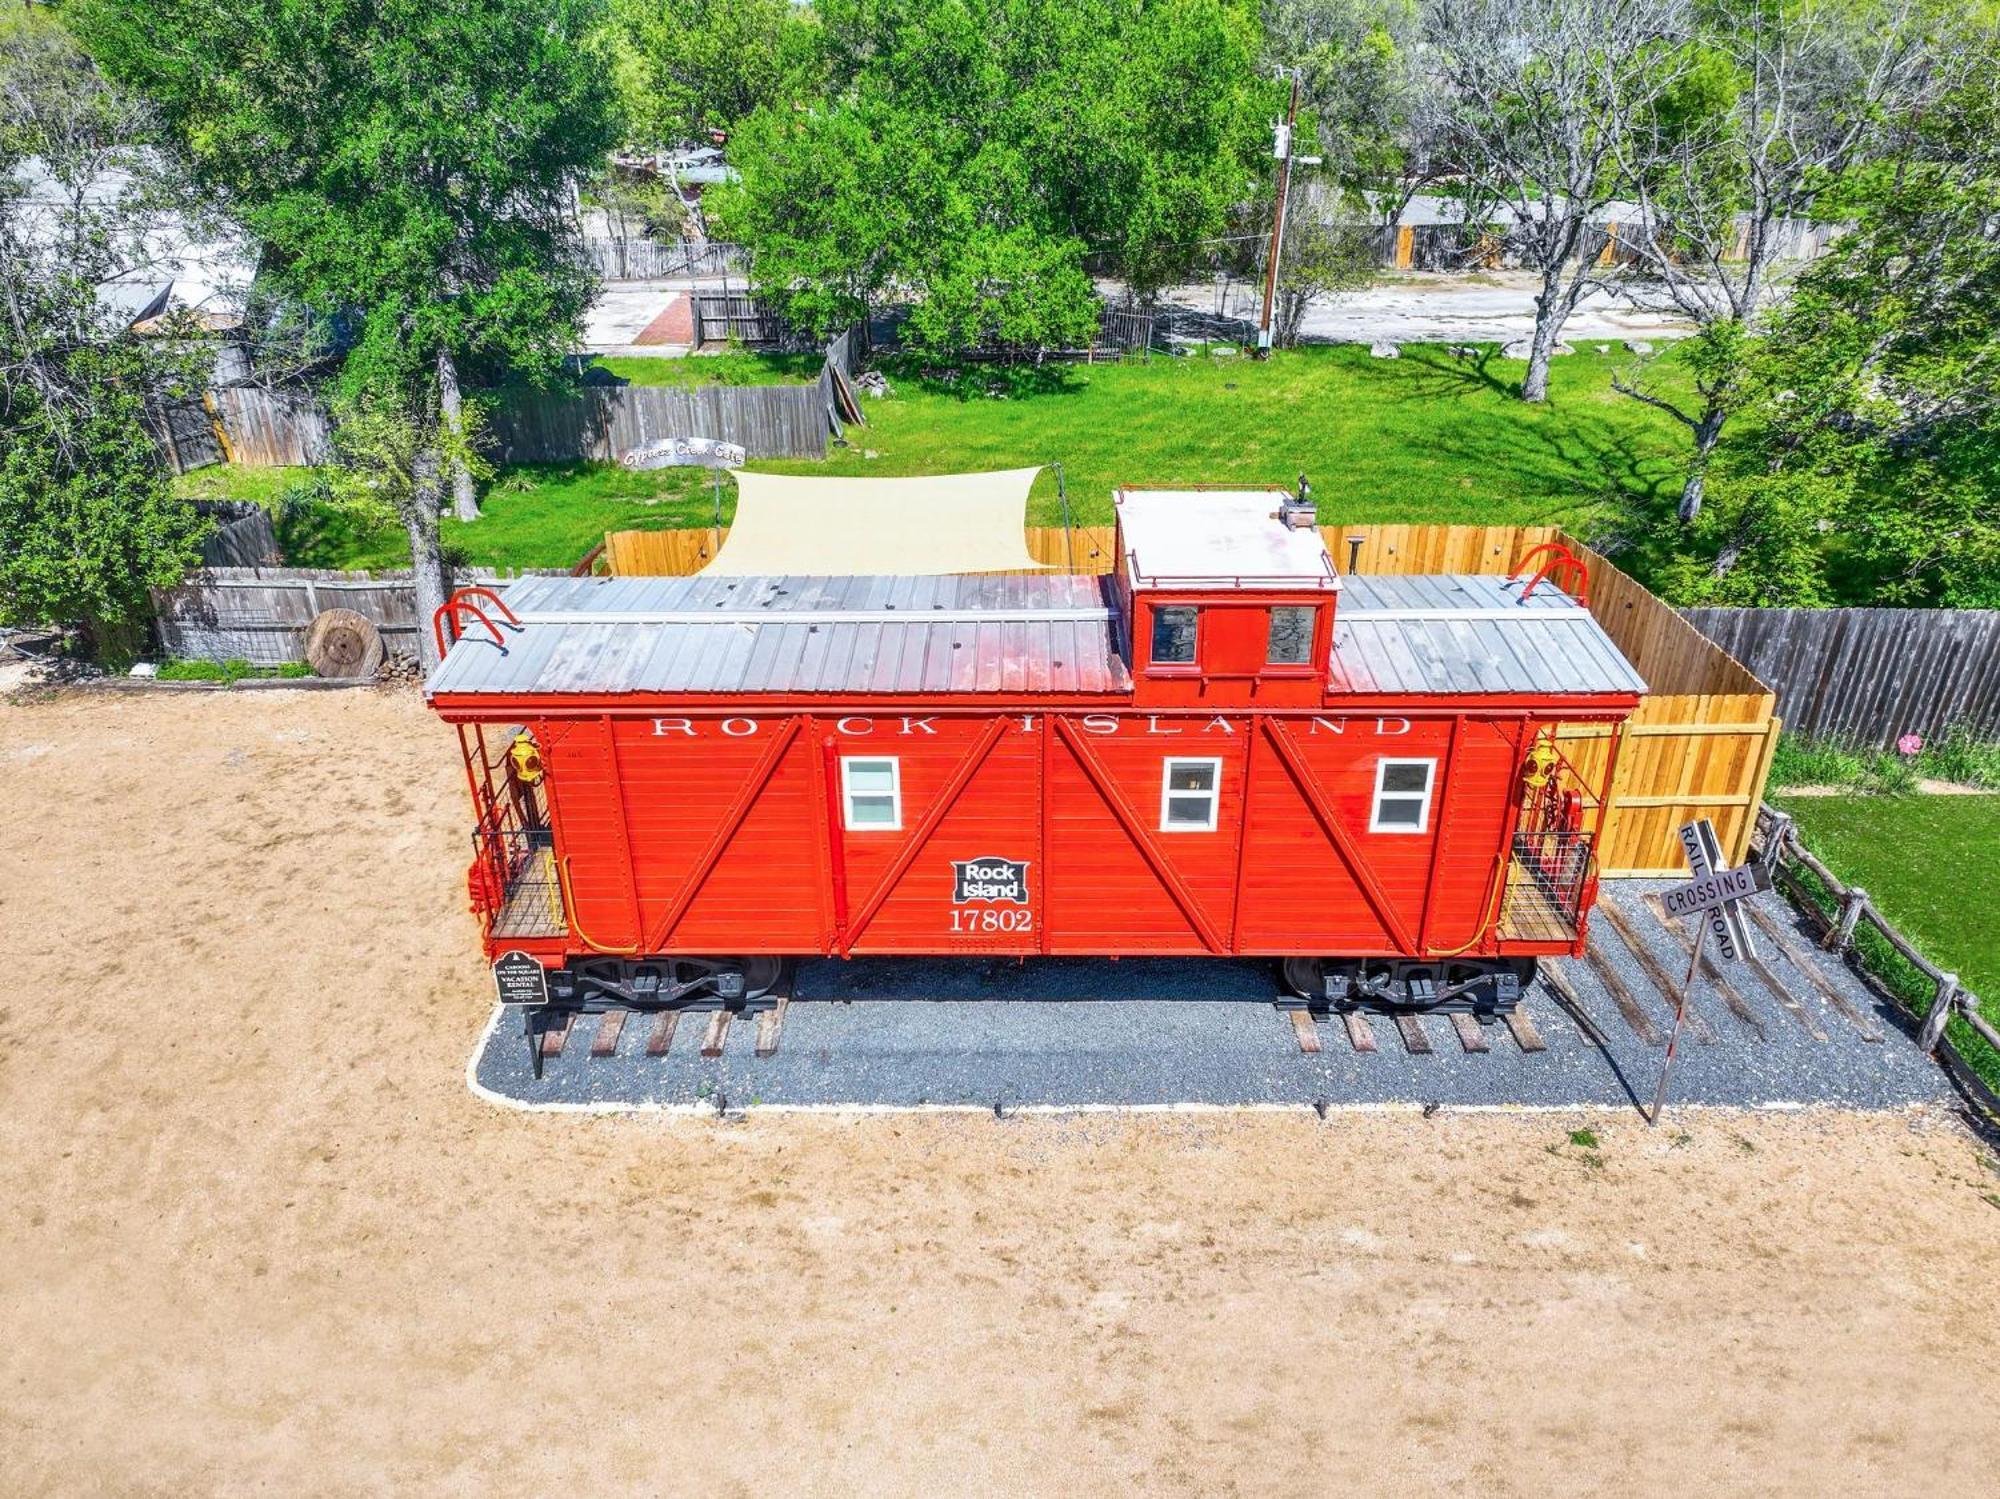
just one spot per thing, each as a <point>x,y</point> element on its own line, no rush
<point>1454,634</point>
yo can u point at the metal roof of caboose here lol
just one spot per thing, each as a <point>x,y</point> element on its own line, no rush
<point>1470,633</point>
<point>1050,633</point>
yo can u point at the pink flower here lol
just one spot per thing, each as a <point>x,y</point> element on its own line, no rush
<point>1909,744</point>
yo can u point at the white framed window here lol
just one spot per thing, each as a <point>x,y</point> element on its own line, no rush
<point>1189,791</point>
<point>872,788</point>
<point>1403,796</point>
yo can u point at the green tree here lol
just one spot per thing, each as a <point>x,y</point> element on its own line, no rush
<point>410,168</point>
<point>688,67</point>
<point>1869,471</point>
<point>1357,70</point>
<point>88,521</point>
<point>968,154</point>
<point>1786,99</point>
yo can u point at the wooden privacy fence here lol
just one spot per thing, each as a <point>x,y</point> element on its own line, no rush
<point>639,259</point>
<point>246,424</point>
<point>1700,744</point>
<point>260,614</point>
<point>1869,676</point>
<point>720,316</point>
<point>604,422</point>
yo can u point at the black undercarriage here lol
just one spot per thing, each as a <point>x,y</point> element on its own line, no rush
<point>1443,986</point>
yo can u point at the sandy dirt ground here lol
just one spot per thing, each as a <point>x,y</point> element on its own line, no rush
<point>259,1238</point>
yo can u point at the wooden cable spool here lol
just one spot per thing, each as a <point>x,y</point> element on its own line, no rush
<point>343,644</point>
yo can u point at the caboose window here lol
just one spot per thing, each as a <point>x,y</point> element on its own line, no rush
<point>1188,795</point>
<point>1291,636</point>
<point>1174,628</point>
<point>873,789</point>
<point>1402,796</point>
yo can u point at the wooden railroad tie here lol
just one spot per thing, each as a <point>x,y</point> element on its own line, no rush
<point>1360,1035</point>
<point>610,1026</point>
<point>1470,1035</point>
<point>1789,946</point>
<point>1781,992</point>
<point>1665,982</point>
<point>1522,1025</point>
<point>718,1032</point>
<point>770,1026</point>
<point>663,1033</point>
<point>1724,985</point>
<point>1621,996</point>
<point>1570,1000</point>
<point>1305,1030</point>
<point>1415,1037</point>
<point>557,1036</point>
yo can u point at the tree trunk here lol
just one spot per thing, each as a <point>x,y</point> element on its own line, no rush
<point>1550,315</point>
<point>432,575</point>
<point>1706,432</point>
<point>464,498</point>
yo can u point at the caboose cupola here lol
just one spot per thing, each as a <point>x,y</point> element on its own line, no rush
<point>1230,599</point>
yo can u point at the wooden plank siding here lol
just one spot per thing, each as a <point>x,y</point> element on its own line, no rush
<point>605,422</point>
<point>1699,746</point>
<point>260,615</point>
<point>1869,676</point>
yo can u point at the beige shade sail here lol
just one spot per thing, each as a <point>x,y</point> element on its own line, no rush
<point>942,523</point>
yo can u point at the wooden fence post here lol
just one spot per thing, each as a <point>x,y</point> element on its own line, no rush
<point>1776,839</point>
<point>1852,905</point>
<point>1947,1000</point>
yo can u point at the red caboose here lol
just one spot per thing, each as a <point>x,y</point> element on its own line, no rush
<point>1222,748</point>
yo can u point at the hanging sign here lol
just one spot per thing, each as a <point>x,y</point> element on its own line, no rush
<point>520,980</point>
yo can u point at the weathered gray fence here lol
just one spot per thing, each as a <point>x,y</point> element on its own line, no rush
<point>636,259</point>
<point>721,316</point>
<point>246,424</point>
<point>1869,675</point>
<point>604,422</point>
<point>243,535</point>
<point>260,615</point>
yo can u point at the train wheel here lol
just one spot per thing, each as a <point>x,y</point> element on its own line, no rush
<point>761,975</point>
<point>1305,977</point>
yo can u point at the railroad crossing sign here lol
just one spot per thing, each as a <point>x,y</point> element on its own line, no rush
<point>1724,921</point>
<point>1712,898</point>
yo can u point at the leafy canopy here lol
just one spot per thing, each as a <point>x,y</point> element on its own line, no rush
<point>1870,472</point>
<point>688,67</point>
<point>87,520</point>
<point>967,154</point>
<point>406,163</point>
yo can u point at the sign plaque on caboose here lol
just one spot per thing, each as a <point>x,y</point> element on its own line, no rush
<point>519,979</point>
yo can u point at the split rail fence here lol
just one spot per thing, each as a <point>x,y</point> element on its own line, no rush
<point>1700,744</point>
<point>1953,1029</point>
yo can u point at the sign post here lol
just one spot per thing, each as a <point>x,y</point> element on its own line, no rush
<point>1712,898</point>
<point>521,982</point>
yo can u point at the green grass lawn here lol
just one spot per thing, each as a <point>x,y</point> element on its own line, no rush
<point>1422,438</point>
<point>535,514</point>
<point>1931,865</point>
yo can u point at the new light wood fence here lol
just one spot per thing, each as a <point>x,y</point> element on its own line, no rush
<point>1700,744</point>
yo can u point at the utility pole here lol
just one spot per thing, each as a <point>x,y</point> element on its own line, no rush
<point>1282,149</point>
